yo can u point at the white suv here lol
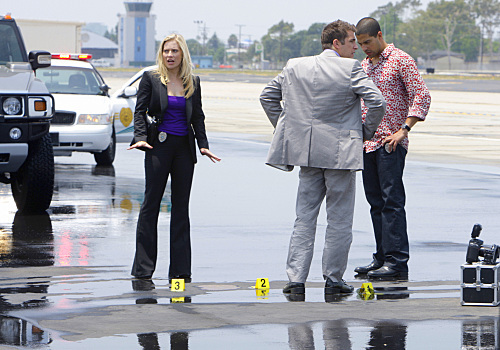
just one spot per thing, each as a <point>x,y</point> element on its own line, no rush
<point>83,120</point>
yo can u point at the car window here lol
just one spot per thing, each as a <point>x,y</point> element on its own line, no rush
<point>70,80</point>
<point>10,51</point>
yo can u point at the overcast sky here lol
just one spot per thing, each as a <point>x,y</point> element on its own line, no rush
<point>219,16</point>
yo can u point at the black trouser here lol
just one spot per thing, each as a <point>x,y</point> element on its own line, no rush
<point>172,157</point>
<point>385,192</point>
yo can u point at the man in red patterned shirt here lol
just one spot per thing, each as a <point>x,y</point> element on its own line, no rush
<point>395,73</point>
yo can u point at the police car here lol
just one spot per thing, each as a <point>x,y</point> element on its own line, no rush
<point>123,102</point>
<point>83,120</point>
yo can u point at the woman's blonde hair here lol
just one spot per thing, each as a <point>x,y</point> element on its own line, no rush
<point>185,69</point>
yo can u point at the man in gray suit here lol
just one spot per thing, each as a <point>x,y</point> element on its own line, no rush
<point>314,105</point>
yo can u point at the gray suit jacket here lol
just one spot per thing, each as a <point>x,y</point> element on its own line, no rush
<point>315,106</point>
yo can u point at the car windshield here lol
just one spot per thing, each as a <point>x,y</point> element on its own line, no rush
<point>71,80</point>
<point>10,50</point>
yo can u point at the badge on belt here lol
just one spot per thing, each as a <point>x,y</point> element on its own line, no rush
<point>162,136</point>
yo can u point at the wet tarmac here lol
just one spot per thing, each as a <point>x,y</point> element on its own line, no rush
<point>337,334</point>
<point>242,212</point>
<point>65,283</point>
<point>63,269</point>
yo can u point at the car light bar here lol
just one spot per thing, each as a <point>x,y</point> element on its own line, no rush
<point>72,56</point>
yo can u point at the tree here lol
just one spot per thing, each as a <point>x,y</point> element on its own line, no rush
<point>232,41</point>
<point>311,47</point>
<point>112,35</point>
<point>316,29</point>
<point>452,20</point>
<point>294,43</point>
<point>487,13</point>
<point>281,44</point>
<point>281,31</point>
<point>216,49</point>
<point>220,54</point>
<point>214,43</point>
<point>420,39</point>
<point>392,15</point>
<point>195,48</point>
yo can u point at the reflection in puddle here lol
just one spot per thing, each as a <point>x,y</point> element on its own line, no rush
<point>80,193</point>
<point>481,335</point>
<point>18,332</point>
<point>335,334</point>
<point>6,304</point>
<point>31,242</point>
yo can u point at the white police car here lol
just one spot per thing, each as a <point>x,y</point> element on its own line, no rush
<point>123,102</point>
<point>83,120</point>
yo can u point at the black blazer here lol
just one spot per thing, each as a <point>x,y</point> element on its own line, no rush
<point>152,99</point>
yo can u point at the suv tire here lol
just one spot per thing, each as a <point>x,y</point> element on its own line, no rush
<point>107,156</point>
<point>33,184</point>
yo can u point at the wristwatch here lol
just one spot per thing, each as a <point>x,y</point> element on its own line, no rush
<point>406,127</point>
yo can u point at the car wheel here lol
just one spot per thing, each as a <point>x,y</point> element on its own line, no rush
<point>107,156</point>
<point>33,184</point>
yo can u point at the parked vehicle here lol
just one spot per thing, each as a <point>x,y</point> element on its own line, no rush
<point>123,102</point>
<point>26,107</point>
<point>83,120</point>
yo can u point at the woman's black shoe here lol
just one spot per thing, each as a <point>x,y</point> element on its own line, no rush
<point>143,277</point>
<point>186,278</point>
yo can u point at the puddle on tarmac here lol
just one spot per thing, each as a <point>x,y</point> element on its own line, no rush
<point>338,334</point>
<point>18,332</point>
<point>80,295</point>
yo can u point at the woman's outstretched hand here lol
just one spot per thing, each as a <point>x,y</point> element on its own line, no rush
<point>140,144</point>
<point>206,152</point>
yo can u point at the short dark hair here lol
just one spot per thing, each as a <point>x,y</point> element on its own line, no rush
<point>368,26</point>
<point>335,30</point>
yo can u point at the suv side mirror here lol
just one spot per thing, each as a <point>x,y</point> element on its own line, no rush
<point>39,59</point>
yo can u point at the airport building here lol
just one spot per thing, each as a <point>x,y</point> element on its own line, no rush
<point>136,35</point>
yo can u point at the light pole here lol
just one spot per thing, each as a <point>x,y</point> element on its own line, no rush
<point>198,23</point>
<point>239,43</point>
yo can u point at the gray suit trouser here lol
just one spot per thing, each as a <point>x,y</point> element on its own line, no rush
<point>339,187</point>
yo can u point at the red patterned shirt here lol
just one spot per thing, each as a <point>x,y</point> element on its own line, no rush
<point>404,90</point>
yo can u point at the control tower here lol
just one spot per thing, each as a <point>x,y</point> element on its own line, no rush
<point>136,35</point>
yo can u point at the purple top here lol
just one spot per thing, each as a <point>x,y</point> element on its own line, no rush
<point>174,120</point>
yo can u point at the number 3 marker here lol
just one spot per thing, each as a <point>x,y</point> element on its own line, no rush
<point>177,285</point>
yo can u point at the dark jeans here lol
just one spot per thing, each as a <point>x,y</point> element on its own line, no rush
<point>384,190</point>
<point>172,157</point>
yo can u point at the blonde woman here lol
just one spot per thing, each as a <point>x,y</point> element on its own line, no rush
<point>172,95</point>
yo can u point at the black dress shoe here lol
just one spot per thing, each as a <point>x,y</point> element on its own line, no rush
<point>371,266</point>
<point>186,278</point>
<point>387,272</point>
<point>337,287</point>
<point>143,285</point>
<point>295,297</point>
<point>294,288</point>
<point>148,277</point>
<point>336,298</point>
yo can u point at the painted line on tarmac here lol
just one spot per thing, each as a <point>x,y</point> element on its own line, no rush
<point>230,98</point>
<point>468,113</point>
<point>457,136</point>
<point>254,142</point>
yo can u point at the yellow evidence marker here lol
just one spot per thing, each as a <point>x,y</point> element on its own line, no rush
<point>262,283</point>
<point>367,288</point>
<point>261,293</point>
<point>178,285</point>
<point>180,300</point>
<point>366,292</point>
